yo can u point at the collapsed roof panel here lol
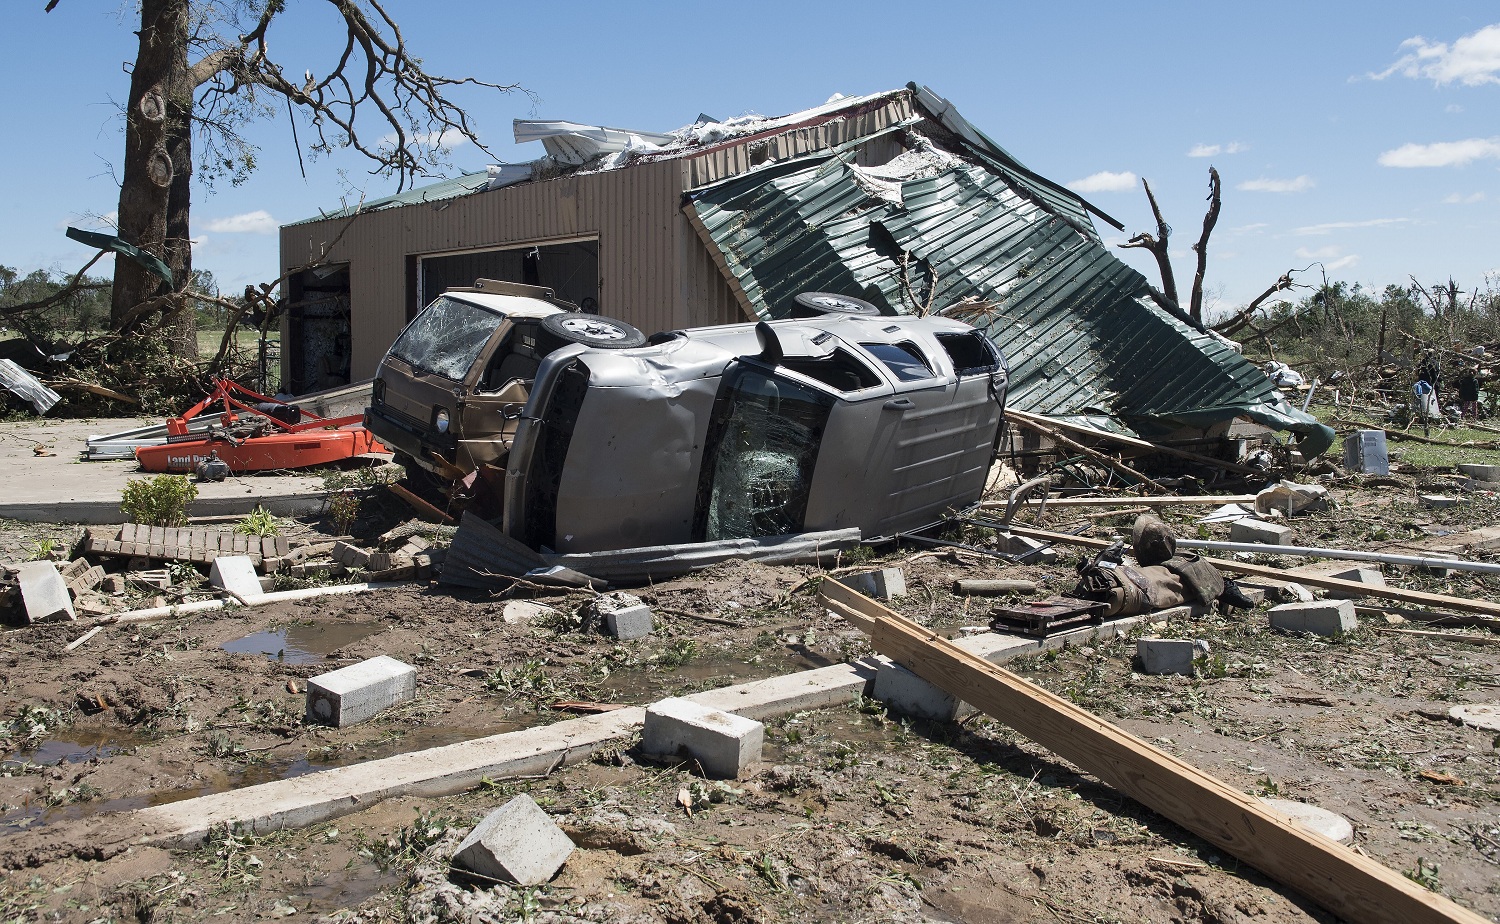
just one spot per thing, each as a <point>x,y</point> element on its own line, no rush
<point>1083,339</point>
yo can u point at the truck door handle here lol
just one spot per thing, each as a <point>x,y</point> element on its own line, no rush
<point>899,404</point>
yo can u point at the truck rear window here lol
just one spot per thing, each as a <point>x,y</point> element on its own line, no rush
<point>446,338</point>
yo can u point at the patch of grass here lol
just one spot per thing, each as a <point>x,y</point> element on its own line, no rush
<point>258,522</point>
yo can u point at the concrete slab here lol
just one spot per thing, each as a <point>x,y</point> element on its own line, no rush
<point>235,573</point>
<point>1251,530</point>
<point>1322,617</point>
<point>59,488</point>
<point>1478,715</point>
<point>1331,825</point>
<point>44,593</point>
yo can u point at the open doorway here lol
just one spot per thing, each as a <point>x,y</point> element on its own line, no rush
<point>571,269</point>
<point>317,350</point>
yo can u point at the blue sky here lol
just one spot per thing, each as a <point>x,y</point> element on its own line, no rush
<point>1365,136</point>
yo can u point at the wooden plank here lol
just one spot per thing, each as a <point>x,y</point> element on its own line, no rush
<point>1419,597</point>
<point>1350,885</point>
<point>1153,501</point>
<point>1444,636</point>
<point>1123,440</point>
<point>426,510</point>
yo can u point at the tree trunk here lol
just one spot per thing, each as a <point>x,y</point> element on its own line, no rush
<point>149,170</point>
<point>181,319</point>
<point>1210,218</point>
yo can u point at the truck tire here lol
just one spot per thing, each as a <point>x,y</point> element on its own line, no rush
<point>592,330</point>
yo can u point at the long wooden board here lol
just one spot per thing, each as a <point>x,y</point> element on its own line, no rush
<point>1419,597</point>
<point>1143,445</point>
<point>1153,501</point>
<point>1346,883</point>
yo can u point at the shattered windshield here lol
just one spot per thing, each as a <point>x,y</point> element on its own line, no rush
<point>446,337</point>
<point>762,447</point>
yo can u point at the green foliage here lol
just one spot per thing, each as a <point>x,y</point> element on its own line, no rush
<point>1426,874</point>
<point>258,522</point>
<point>31,725</point>
<point>160,501</point>
<point>44,548</point>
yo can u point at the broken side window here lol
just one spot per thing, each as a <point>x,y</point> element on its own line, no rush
<point>904,360</point>
<point>446,337</point>
<point>972,352</point>
<point>839,369</point>
<point>762,446</point>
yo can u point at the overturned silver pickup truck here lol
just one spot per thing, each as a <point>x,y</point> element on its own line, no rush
<point>840,418</point>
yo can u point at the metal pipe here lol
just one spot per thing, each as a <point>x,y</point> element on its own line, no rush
<point>278,596</point>
<point>1449,564</point>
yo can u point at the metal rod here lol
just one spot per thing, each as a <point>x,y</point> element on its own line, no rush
<point>1450,564</point>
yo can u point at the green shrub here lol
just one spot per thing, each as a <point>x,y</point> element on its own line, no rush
<point>159,501</point>
<point>258,522</point>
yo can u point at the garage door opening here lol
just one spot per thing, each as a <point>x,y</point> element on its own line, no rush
<point>570,269</point>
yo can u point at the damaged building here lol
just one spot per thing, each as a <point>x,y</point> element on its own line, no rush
<point>893,197</point>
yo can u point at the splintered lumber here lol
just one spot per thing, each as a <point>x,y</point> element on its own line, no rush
<point>1128,501</point>
<point>1444,636</point>
<point>1045,429</point>
<point>422,508</point>
<point>1350,885</point>
<point>1143,445</point>
<point>1418,597</point>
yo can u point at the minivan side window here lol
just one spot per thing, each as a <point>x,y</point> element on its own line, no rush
<point>446,338</point>
<point>761,447</point>
<point>904,360</point>
<point>972,352</point>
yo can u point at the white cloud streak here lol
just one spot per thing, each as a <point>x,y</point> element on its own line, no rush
<point>1265,184</point>
<point>1442,153</point>
<point>1460,199</point>
<point>1104,181</point>
<point>256,222</point>
<point>1473,60</point>
<point>1214,150</point>
<point>1332,226</point>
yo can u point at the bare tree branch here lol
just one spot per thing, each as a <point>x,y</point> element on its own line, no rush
<point>74,285</point>
<point>1210,218</point>
<point>1284,282</point>
<point>1158,247</point>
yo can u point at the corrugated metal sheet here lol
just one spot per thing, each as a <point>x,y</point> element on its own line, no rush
<point>1080,335</point>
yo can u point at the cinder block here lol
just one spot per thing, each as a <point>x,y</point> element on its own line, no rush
<point>1480,472</point>
<point>884,584</point>
<point>525,612</point>
<point>1166,655</point>
<point>1252,530</point>
<point>1439,501</point>
<point>904,692</point>
<point>1321,617</point>
<point>1028,549</point>
<point>113,584</point>
<point>624,615</point>
<point>357,692</point>
<point>90,578</point>
<point>722,743</point>
<point>517,842</point>
<point>1370,576</point>
<point>235,574</point>
<point>44,592</point>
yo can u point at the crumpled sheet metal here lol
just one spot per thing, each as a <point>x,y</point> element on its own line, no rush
<point>482,556</point>
<point>24,385</point>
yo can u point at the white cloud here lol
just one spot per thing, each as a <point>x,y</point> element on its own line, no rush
<point>1322,253</point>
<point>1472,60</point>
<point>1458,199</point>
<point>1104,181</point>
<point>1214,150</point>
<point>1442,153</point>
<point>256,222</point>
<point>1342,263</point>
<point>1453,109</point>
<point>1331,226</point>
<point>447,140</point>
<point>1253,226</point>
<point>1264,184</point>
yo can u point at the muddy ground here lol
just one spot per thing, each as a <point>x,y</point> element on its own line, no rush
<point>855,815</point>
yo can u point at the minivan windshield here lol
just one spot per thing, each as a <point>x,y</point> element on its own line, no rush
<point>446,337</point>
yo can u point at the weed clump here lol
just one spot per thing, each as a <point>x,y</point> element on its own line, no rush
<point>159,501</point>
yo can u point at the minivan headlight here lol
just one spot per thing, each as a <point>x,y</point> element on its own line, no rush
<point>440,420</point>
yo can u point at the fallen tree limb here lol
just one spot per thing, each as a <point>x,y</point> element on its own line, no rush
<point>1349,884</point>
<point>1400,436</point>
<point>1418,597</point>
<point>1123,440</point>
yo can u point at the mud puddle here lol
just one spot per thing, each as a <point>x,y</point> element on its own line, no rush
<point>303,644</point>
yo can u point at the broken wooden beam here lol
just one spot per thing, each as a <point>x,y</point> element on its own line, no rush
<point>1349,884</point>
<point>1128,501</point>
<point>423,508</point>
<point>1143,445</point>
<point>1418,597</point>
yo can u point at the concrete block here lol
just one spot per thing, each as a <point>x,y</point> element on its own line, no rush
<point>623,615</point>
<point>1033,552</point>
<point>73,569</point>
<point>884,584</point>
<point>113,584</point>
<point>235,574</point>
<point>1166,655</point>
<point>904,692</point>
<point>1438,501</point>
<point>1365,451</point>
<point>44,592</point>
<point>1251,530</point>
<point>722,743</point>
<point>1321,617</point>
<point>267,583</point>
<point>517,842</point>
<point>1331,825</point>
<point>525,612</point>
<point>1480,472</point>
<point>87,580</point>
<point>1370,576</point>
<point>357,692</point>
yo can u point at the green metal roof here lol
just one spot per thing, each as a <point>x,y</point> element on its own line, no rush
<point>1082,337</point>
<point>435,192</point>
